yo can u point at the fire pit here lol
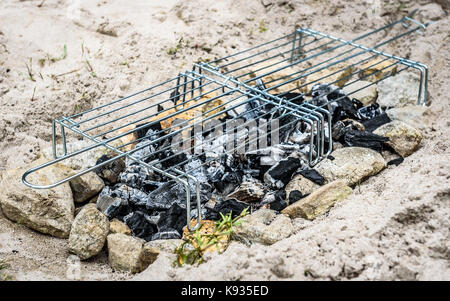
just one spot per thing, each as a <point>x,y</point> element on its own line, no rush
<point>231,133</point>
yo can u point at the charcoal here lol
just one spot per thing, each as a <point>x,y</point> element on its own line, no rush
<point>173,193</point>
<point>109,172</point>
<point>364,139</point>
<point>341,107</point>
<point>280,174</point>
<point>229,182</point>
<point>225,207</point>
<point>275,199</point>
<point>148,130</point>
<point>370,112</point>
<point>293,97</point>
<point>118,209</point>
<point>396,162</point>
<point>172,219</point>
<point>136,177</point>
<point>141,225</point>
<point>294,196</point>
<point>168,158</point>
<point>313,175</point>
<point>374,123</point>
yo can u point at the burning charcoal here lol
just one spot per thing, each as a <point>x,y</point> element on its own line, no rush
<point>374,123</point>
<point>117,209</point>
<point>171,193</point>
<point>250,191</point>
<point>168,158</point>
<point>370,112</point>
<point>296,98</point>
<point>143,151</point>
<point>294,196</point>
<point>396,162</point>
<point>196,169</point>
<point>228,182</point>
<point>341,106</point>
<point>172,219</point>
<point>109,172</point>
<point>279,175</point>
<point>364,139</point>
<point>137,177</point>
<point>149,131</point>
<point>275,199</point>
<point>225,207</point>
<point>141,225</point>
<point>313,175</point>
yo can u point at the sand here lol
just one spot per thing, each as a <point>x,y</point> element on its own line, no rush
<point>395,226</point>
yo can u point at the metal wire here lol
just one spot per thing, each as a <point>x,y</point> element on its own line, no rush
<point>212,90</point>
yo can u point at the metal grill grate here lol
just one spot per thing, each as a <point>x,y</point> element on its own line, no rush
<point>271,82</point>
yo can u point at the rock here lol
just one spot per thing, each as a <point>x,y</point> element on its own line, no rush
<point>83,160</point>
<point>431,11</point>
<point>403,138</point>
<point>207,227</point>
<point>264,226</point>
<point>301,184</point>
<point>88,234</point>
<point>127,253</point>
<point>367,95</point>
<point>413,115</point>
<point>319,202</point>
<point>164,245</point>
<point>250,191</point>
<point>116,226</point>
<point>110,172</point>
<point>399,90</point>
<point>86,186</point>
<point>351,164</point>
<point>48,211</point>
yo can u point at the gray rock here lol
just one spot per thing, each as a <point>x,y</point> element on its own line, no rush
<point>403,138</point>
<point>127,253</point>
<point>83,160</point>
<point>318,202</point>
<point>302,184</point>
<point>88,234</point>
<point>250,191</point>
<point>414,115</point>
<point>351,164</point>
<point>264,226</point>
<point>367,95</point>
<point>86,187</point>
<point>116,226</point>
<point>163,246</point>
<point>399,90</point>
<point>48,211</point>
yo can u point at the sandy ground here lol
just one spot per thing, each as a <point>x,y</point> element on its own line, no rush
<point>396,226</point>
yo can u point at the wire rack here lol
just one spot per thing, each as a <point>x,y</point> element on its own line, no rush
<point>140,127</point>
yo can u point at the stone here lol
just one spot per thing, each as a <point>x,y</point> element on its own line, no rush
<point>249,191</point>
<point>302,184</point>
<point>49,211</point>
<point>111,171</point>
<point>264,226</point>
<point>83,160</point>
<point>88,234</point>
<point>432,12</point>
<point>116,226</point>
<point>403,138</point>
<point>207,227</point>
<point>86,187</point>
<point>399,90</point>
<point>367,95</point>
<point>414,115</point>
<point>163,245</point>
<point>319,202</point>
<point>351,164</point>
<point>127,253</point>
